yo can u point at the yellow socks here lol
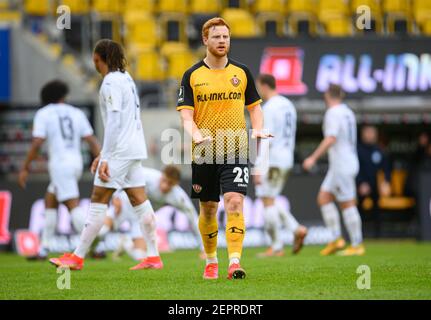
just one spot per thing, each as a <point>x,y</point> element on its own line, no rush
<point>209,232</point>
<point>235,232</point>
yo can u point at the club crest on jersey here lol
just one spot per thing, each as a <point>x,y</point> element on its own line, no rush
<point>197,188</point>
<point>235,81</point>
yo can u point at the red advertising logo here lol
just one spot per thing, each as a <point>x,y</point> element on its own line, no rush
<point>5,203</point>
<point>286,65</point>
<point>26,243</point>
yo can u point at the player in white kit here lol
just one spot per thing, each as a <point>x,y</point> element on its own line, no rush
<point>119,165</point>
<point>162,189</point>
<point>275,161</point>
<point>63,127</point>
<point>340,135</point>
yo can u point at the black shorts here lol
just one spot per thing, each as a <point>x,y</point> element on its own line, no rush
<point>211,180</point>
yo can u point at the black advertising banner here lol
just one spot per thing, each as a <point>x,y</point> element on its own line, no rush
<point>363,66</point>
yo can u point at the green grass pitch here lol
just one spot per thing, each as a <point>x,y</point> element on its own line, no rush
<point>399,270</point>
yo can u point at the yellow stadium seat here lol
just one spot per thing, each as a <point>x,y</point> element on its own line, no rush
<point>141,30</point>
<point>261,6</point>
<point>238,4</point>
<point>374,5</point>
<point>37,7</point>
<point>205,6</point>
<point>397,200</point>
<point>149,66</point>
<point>177,6</point>
<point>422,11</point>
<point>169,48</point>
<point>271,23</point>
<point>107,6</point>
<point>426,27</point>
<point>173,26</point>
<point>330,9</point>
<point>396,6</point>
<point>179,62</point>
<point>301,6</point>
<point>4,4</point>
<point>77,7</point>
<point>338,27</point>
<point>139,5</point>
<point>300,12</point>
<point>241,23</point>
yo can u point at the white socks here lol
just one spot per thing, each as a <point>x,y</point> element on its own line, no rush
<point>147,220</point>
<point>332,219</point>
<point>78,219</point>
<point>288,219</point>
<point>272,224</point>
<point>212,260</point>
<point>353,223</point>
<point>48,231</point>
<point>233,260</point>
<point>93,224</point>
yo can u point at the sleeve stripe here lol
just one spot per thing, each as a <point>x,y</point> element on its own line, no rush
<point>185,107</point>
<point>251,105</point>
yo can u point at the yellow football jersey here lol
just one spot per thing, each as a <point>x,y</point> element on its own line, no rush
<point>218,98</point>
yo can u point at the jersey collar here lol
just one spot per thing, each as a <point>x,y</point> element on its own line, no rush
<point>227,64</point>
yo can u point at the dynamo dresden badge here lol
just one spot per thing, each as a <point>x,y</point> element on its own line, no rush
<point>235,81</point>
<point>197,188</point>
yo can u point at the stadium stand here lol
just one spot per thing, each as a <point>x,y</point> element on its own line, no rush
<point>144,25</point>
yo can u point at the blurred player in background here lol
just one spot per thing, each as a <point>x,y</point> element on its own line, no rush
<point>162,189</point>
<point>280,120</point>
<point>211,100</point>
<point>119,166</point>
<point>340,135</point>
<point>63,127</point>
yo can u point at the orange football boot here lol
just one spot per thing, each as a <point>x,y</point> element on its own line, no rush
<point>235,272</point>
<point>68,260</point>
<point>211,271</point>
<point>149,263</point>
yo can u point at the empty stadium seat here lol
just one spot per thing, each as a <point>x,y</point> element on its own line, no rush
<point>397,200</point>
<point>300,6</point>
<point>396,6</point>
<point>177,6</point>
<point>397,16</point>
<point>241,23</point>
<point>374,5</point>
<point>179,62</point>
<point>107,6</point>
<point>169,48</point>
<point>205,6</point>
<point>338,27</point>
<point>376,14</point>
<point>422,13</point>
<point>37,7</point>
<point>173,26</point>
<point>262,6</point>
<point>141,30</point>
<point>271,23</point>
<point>149,66</point>
<point>301,17</point>
<point>140,5</point>
<point>330,9</point>
<point>238,4</point>
<point>426,27</point>
<point>4,4</point>
<point>77,7</point>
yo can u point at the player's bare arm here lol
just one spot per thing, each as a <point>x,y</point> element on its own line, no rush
<point>95,150</point>
<point>326,143</point>
<point>191,127</point>
<point>256,118</point>
<point>31,155</point>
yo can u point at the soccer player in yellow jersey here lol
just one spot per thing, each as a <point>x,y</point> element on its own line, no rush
<point>212,98</point>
